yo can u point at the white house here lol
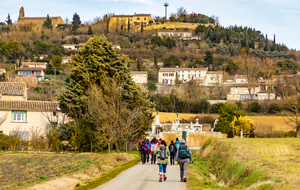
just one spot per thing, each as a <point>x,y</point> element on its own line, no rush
<point>174,34</point>
<point>26,117</point>
<point>168,75</point>
<point>214,78</point>
<point>139,77</point>
<point>116,47</point>
<point>66,60</point>
<point>70,46</point>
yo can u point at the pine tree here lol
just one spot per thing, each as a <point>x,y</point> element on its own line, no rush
<point>8,21</point>
<point>155,61</point>
<point>217,33</point>
<point>106,66</point>
<point>47,23</point>
<point>76,22</point>
<point>90,31</point>
<point>128,25</point>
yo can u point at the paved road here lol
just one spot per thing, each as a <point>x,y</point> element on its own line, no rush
<point>145,177</point>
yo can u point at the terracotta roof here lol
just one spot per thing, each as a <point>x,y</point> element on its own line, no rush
<point>70,45</point>
<point>28,105</point>
<point>241,85</point>
<point>131,15</point>
<point>33,63</point>
<point>30,68</point>
<point>240,77</point>
<point>214,72</point>
<point>139,72</point>
<point>192,69</point>
<point>167,70</point>
<point>12,88</point>
<point>52,17</point>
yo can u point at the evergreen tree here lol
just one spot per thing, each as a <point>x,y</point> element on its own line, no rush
<point>259,42</point>
<point>90,31</point>
<point>155,61</point>
<point>217,33</point>
<point>266,48</point>
<point>128,25</point>
<point>252,44</point>
<point>274,40</point>
<point>105,67</point>
<point>8,21</point>
<point>48,23</point>
<point>208,59</point>
<point>76,22</point>
<point>142,27</point>
<point>138,65</point>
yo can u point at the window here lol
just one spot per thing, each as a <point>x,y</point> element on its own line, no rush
<point>171,74</point>
<point>178,75</point>
<point>138,18</point>
<point>19,116</point>
<point>189,71</point>
<point>189,76</point>
<point>54,113</point>
<point>182,75</point>
<point>195,75</point>
<point>199,75</point>
<point>242,81</point>
<point>145,19</point>
<point>211,78</point>
<point>53,21</point>
<point>121,18</point>
<point>165,81</point>
<point>165,74</point>
<point>117,19</point>
<point>145,23</point>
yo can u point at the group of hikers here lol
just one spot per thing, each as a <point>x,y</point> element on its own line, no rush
<point>178,152</point>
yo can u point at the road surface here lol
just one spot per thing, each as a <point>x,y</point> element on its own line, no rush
<point>145,177</point>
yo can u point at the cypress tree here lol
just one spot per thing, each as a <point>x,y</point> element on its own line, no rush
<point>48,23</point>
<point>217,33</point>
<point>129,24</point>
<point>76,22</point>
<point>8,21</point>
<point>155,61</point>
<point>266,46</point>
<point>142,27</point>
<point>90,31</point>
<point>274,40</point>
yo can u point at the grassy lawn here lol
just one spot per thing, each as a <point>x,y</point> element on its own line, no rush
<point>17,170</point>
<point>254,163</point>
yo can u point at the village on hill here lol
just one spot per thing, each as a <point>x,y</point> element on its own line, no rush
<point>68,86</point>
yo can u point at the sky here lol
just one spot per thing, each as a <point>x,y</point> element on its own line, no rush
<point>279,17</point>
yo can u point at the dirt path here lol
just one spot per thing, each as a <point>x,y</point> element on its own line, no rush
<point>145,177</point>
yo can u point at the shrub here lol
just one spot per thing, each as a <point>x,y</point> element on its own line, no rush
<point>230,133</point>
<point>215,108</point>
<point>252,135</point>
<point>226,115</point>
<point>275,108</point>
<point>239,104</point>
<point>152,86</point>
<point>255,107</point>
<point>241,123</point>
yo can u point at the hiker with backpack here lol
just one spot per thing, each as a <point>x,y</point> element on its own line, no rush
<point>152,150</point>
<point>140,147</point>
<point>144,151</point>
<point>183,158</point>
<point>162,153</point>
<point>147,155</point>
<point>177,143</point>
<point>173,150</point>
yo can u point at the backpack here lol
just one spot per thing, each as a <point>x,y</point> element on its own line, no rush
<point>143,146</point>
<point>171,148</point>
<point>183,152</point>
<point>153,146</point>
<point>163,153</point>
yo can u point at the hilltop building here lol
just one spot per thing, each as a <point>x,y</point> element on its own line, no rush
<point>117,20</point>
<point>37,21</point>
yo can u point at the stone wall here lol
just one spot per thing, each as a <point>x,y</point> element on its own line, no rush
<point>193,139</point>
<point>170,25</point>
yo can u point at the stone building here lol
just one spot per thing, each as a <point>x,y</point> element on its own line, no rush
<point>37,21</point>
<point>117,20</point>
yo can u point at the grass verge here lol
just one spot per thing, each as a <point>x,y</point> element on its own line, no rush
<point>106,176</point>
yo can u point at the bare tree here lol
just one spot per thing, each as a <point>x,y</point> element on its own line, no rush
<point>251,69</point>
<point>115,122</point>
<point>16,136</point>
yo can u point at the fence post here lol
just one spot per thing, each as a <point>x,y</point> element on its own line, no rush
<point>109,148</point>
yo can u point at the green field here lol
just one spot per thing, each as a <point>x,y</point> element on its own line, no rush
<point>249,163</point>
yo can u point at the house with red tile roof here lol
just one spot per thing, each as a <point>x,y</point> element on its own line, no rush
<point>39,72</point>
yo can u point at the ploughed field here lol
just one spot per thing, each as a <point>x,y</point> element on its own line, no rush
<point>27,169</point>
<point>261,123</point>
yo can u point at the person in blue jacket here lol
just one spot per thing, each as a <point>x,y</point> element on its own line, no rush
<point>177,143</point>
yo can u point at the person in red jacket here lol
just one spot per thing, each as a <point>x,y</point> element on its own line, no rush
<point>152,150</point>
<point>144,151</point>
